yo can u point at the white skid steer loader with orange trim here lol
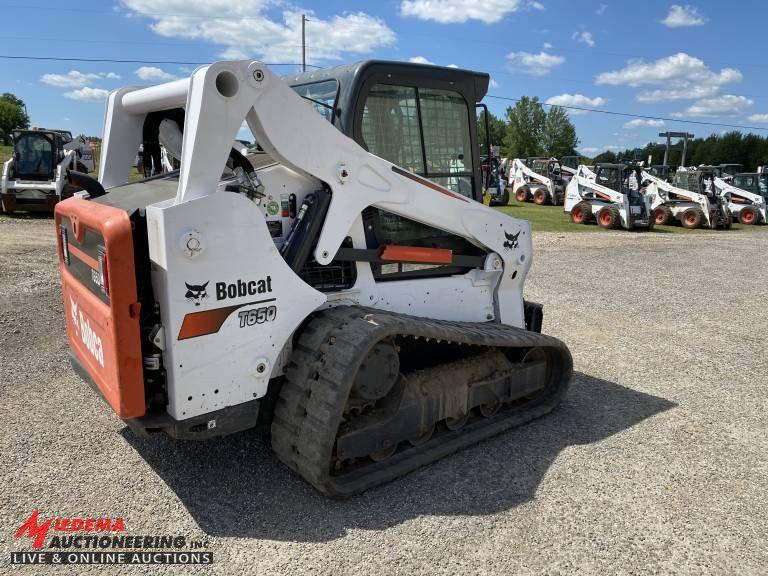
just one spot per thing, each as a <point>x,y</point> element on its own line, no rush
<point>345,289</point>
<point>689,208</point>
<point>613,196</point>
<point>539,180</point>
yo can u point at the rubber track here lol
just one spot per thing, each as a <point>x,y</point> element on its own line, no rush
<point>321,370</point>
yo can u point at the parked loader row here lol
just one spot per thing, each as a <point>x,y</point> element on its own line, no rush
<point>630,196</point>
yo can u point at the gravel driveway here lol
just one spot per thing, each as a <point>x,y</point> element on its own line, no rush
<point>656,463</point>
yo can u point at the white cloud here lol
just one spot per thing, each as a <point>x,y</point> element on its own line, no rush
<point>584,37</point>
<point>533,5</point>
<point>459,11</point>
<point>681,16</point>
<point>493,83</point>
<point>758,118</point>
<point>151,73</point>
<point>452,66</point>
<point>679,76</point>
<point>539,64</point>
<point>243,27</point>
<point>72,79</point>
<point>112,76</point>
<point>725,105</point>
<point>643,123</point>
<point>547,46</point>
<point>687,92</point>
<point>578,100</point>
<point>87,94</point>
<point>601,9</point>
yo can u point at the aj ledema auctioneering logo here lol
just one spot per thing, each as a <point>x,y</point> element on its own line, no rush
<point>102,540</point>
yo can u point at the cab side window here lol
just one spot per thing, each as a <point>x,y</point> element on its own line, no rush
<point>391,127</point>
<point>322,95</point>
<point>424,130</point>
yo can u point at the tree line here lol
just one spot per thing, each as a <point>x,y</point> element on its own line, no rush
<point>749,150</point>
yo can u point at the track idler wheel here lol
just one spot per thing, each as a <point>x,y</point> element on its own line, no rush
<point>377,373</point>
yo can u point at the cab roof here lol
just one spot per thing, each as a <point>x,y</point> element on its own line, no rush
<point>348,74</point>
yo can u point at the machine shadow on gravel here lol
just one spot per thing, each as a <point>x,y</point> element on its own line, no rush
<point>234,486</point>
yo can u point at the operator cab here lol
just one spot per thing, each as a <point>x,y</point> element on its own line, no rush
<point>729,170</point>
<point>660,171</point>
<point>419,117</point>
<point>570,162</point>
<point>624,178</point>
<point>701,181</point>
<point>757,183</point>
<point>36,154</point>
<point>549,167</point>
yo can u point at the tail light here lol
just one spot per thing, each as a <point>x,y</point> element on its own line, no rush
<point>103,271</point>
<point>64,245</point>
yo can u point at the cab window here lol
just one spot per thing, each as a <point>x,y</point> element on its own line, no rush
<point>391,127</point>
<point>424,130</point>
<point>322,95</point>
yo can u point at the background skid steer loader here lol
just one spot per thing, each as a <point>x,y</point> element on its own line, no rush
<point>753,182</point>
<point>345,289</point>
<point>690,208</point>
<point>612,195</point>
<point>744,206</point>
<point>35,177</point>
<point>537,179</point>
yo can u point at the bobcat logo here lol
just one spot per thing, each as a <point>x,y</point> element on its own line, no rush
<point>511,242</point>
<point>196,292</point>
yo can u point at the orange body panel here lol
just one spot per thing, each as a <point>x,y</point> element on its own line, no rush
<point>105,337</point>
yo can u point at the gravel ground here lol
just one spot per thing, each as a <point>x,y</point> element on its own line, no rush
<point>656,463</point>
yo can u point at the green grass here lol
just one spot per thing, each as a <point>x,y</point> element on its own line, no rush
<point>554,219</point>
<point>5,153</point>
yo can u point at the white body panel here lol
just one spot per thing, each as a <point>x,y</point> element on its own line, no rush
<point>232,241</point>
<point>235,246</point>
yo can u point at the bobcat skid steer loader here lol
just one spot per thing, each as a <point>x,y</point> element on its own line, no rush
<point>34,179</point>
<point>613,196</point>
<point>345,287</point>
<point>743,206</point>
<point>537,179</point>
<point>670,204</point>
<point>746,207</point>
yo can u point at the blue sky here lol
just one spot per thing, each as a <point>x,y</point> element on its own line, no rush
<point>700,61</point>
